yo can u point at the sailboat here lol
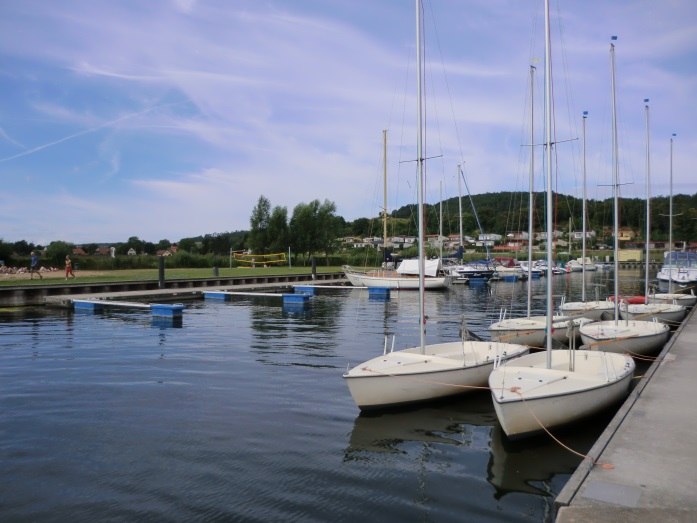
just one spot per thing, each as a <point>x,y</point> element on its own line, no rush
<point>425,372</point>
<point>546,389</point>
<point>405,277</point>
<point>588,309</point>
<point>670,313</point>
<point>532,330</point>
<point>622,336</point>
<point>666,273</point>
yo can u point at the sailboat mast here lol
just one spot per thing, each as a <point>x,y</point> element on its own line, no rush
<point>459,205</point>
<point>585,215</point>
<point>384,195</point>
<point>648,202</point>
<point>440,220</point>
<point>532,185</point>
<point>615,182</point>
<point>548,159</point>
<point>420,168</point>
<point>670,221</point>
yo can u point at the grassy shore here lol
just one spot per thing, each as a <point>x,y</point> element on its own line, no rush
<point>58,277</point>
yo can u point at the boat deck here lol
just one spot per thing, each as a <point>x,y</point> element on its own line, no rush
<point>647,462</point>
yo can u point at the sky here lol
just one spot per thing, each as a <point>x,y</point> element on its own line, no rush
<point>168,119</point>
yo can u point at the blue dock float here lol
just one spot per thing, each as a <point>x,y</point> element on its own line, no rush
<point>163,310</point>
<point>379,293</point>
<point>296,299</point>
<point>226,295</point>
<point>304,289</point>
<point>166,310</point>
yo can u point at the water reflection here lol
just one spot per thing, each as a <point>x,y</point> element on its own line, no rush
<point>463,422</point>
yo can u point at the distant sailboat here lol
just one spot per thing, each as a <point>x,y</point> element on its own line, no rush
<point>670,313</point>
<point>588,309</point>
<point>622,336</point>
<point>555,387</point>
<point>531,330</point>
<point>405,277</point>
<point>665,276</point>
<point>425,372</point>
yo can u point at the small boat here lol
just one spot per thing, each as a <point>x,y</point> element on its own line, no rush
<point>530,395</point>
<point>427,371</point>
<point>592,310</point>
<point>627,336</point>
<point>686,300</point>
<point>405,277</point>
<point>532,330</point>
<point>582,264</point>
<point>543,390</point>
<point>669,313</point>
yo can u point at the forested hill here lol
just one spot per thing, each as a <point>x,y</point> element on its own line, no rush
<point>505,212</point>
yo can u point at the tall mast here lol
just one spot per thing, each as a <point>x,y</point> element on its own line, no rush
<point>670,221</point>
<point>440,219</point>
<point>420,168</point>
<point>532,184</point>
<point>384,195</point>
<point>585,214</point>
<point>615,181</point>
<point>648,202</point>
<point>548,159</point>
<point>459,204</point>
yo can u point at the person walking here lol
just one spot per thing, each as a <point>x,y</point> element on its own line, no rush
<point>34,266</point>
<point>68,267</point>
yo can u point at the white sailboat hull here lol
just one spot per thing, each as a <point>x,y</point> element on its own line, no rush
<point>528,397</point>
<point>532,331</point>
<point>394,280</point>
<point>408,376</point>
<point>625,336</point>
<point>686,300</point>
<point>593,310</point>
<point>664,312</point>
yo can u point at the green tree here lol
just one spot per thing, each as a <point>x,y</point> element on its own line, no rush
<point>188,245</point>
<point>57,251</point>
<point>6,253</point>
<point>314,228</point>
<point>278,231</point>
<point>259,226</point>
<point>163,245</point>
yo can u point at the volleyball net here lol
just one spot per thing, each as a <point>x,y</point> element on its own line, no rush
<point>259,260</point>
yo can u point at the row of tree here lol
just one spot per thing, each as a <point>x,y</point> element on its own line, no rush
<point>315,228</point>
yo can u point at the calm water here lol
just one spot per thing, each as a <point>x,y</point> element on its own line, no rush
<point>240,413</point>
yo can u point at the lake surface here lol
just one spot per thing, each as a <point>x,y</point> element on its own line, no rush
<point>240,413</point>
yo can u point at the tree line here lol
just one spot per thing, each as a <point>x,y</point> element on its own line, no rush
<point>315,229</point>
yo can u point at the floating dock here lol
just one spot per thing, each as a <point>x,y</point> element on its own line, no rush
<point>163,310</point>
<point>301,298</point>
<point>645,462</point>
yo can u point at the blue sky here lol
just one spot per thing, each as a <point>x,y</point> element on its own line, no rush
<point>169,118</point>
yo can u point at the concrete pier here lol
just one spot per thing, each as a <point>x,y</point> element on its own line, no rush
<point>646,459</point>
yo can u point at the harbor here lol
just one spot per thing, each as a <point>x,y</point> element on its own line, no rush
<point>212,389</point>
